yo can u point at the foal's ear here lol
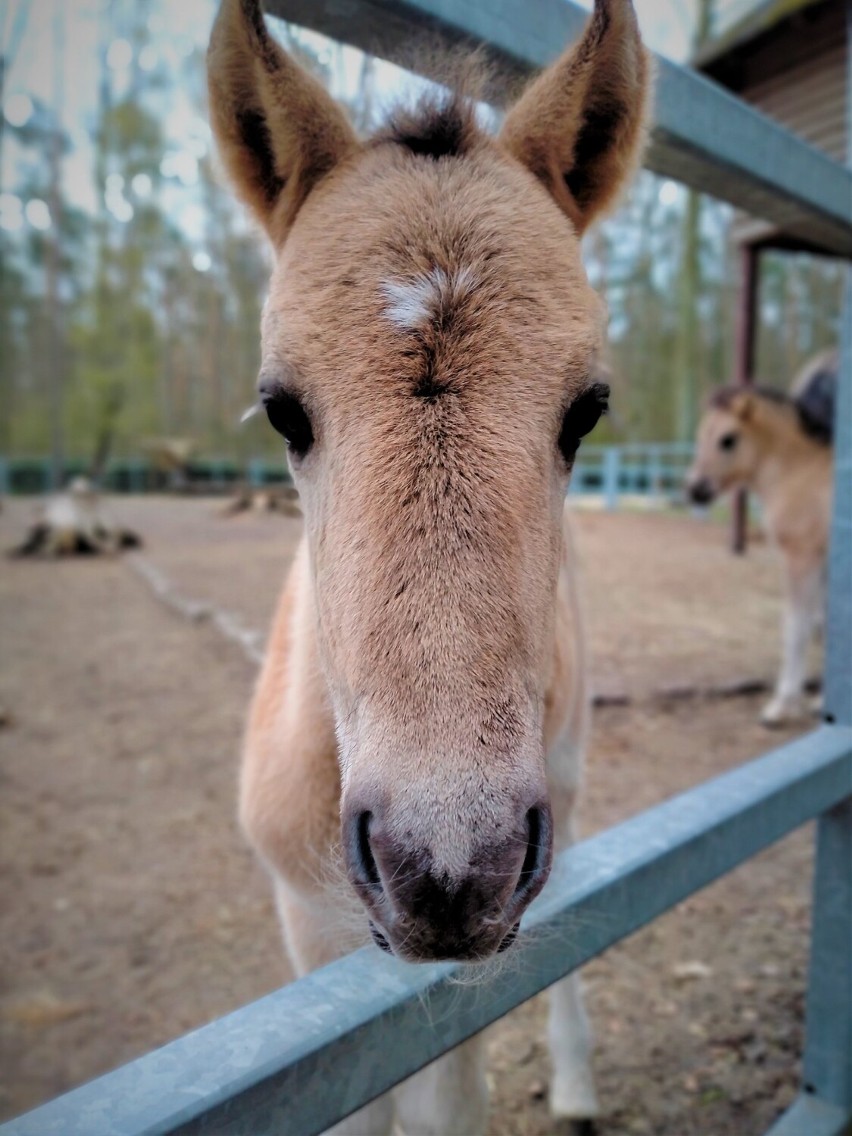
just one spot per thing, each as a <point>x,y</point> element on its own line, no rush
<point>580,126</point>
<point>743,406</point>
<point>278,131</point>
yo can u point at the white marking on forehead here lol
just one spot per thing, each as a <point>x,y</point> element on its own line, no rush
<point>418,301</point>
<point>412,303</point>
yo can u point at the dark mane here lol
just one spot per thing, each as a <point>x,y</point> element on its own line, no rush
<point>442,122</point>
<point>723,398</point>
<point>815,395</point>
<point>439,126</point>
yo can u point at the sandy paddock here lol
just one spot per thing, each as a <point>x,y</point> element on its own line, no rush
<point>131,912</point>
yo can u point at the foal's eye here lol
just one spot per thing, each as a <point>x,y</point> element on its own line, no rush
<point>290,419</point>
<point>581,417</point>
<point>728,442</point>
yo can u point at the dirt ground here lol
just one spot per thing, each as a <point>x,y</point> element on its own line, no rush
<point>130,910</point>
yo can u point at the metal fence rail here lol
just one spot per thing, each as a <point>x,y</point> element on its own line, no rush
<point>303,1057</point>
<point>702,135</point>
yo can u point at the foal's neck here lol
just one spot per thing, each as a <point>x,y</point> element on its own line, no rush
<point>784,448</point>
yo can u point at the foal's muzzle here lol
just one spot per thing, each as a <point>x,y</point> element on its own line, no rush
<point>700,491</point>
<point>423,912</point>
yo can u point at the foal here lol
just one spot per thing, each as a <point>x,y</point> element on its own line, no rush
<point>761,440</point>
<point>429,348</point>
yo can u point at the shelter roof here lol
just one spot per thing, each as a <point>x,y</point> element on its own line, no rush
<point>765,20</point>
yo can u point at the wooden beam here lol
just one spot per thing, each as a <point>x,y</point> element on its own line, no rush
<point>744,369</point>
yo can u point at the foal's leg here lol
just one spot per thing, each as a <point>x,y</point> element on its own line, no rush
<point>309,937</point>
<point>801,616</point>
<point>448,1097</point>
<point>572,1086</point>
<point>816,703</point>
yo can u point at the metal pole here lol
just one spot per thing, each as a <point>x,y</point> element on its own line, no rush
<point>828,1050</point>
<point>744,370</point>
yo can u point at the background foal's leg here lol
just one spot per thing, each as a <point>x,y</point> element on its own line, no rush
<point>448,1097</point>
<point>801,617</point>
<point>310,944</point>
<point>572,1086</point>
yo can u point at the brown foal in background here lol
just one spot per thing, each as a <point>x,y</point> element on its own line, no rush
<point>429,348</point>
<point>767,442</point>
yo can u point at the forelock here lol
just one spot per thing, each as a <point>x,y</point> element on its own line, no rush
<point>724,397</point>
<point>442,122</point>
<point>438,126</point>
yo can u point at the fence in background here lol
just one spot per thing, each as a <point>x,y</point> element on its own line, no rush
<point>653,470</point>
<point>310,1054</point>
<point>27,476</point>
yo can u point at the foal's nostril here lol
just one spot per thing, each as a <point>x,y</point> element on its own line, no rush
<point>421,908</point>
<point>537,855</point>
<point>509,939</point>
<point>700,492</point>
<point>380,939</point>
<point>363,859</point>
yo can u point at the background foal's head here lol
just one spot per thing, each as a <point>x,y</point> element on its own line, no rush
<point>428,355</point>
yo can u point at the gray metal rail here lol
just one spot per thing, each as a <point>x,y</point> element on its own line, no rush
<point>300,1059</point>
<point>702,135</point>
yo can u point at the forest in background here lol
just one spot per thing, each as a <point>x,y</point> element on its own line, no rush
<point>121,324</point>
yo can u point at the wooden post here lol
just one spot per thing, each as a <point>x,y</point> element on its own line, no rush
<point>744,369</point>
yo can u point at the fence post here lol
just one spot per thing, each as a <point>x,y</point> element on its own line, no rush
<point>256,472</point>
<point>654,473</point>
<point>744,361</point>
<point>611,474</point>
<point>828,1048</point>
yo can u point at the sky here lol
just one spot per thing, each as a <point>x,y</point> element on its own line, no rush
<point>179,28</point>
<point>68,78</point>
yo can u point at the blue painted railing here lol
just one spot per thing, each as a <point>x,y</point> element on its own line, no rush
<point>33,475</point>
<point>636,469</point>
<point>297,1060</point>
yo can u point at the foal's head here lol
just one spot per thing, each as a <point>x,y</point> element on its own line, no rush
<point>728,441</point>
<point>428,355</point>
